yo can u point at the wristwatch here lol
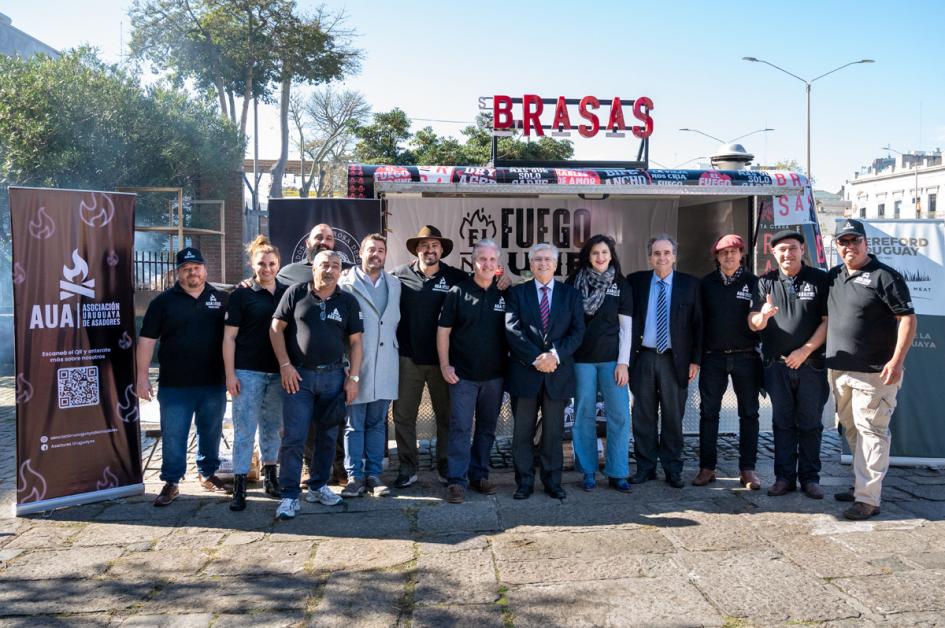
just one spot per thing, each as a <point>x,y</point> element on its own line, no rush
<point>354,378</point>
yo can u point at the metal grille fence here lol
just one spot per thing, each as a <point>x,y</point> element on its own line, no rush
<point>154,270</point>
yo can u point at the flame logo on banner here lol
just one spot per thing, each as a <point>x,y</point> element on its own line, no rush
<point>125,341</point>
<point>112,258</point>
<point>477,226</point>
<point>31,483</point>
<point>75,279</point>
<point>99,213</point>
<point>24,390</point>
<point>19,273</point>
<point>128,408</point>
<point>42,227</point>
<point>109,480</point>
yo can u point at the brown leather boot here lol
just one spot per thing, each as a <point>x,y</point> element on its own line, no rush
<point>749,479</point>
<point>704,477</point>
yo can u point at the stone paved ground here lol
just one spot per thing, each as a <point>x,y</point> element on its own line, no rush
<point>659,557</point>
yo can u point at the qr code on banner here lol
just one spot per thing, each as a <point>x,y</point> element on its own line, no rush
<point>78,386</point>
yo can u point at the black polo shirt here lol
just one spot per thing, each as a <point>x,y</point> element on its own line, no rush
<point>250,309</point>
<point>478,348</point>
<point>421,299</point>
<point>601,341</point>
<point>190,331</point>
<point>318,330</point>
<point>802,304</point>
<point>725,312</point>
<point>863,306</point>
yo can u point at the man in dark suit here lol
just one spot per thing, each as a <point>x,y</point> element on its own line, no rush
<point>666,353</point>
<point>544,324</point>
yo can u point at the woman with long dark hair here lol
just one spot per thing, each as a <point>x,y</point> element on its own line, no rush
<point>602,363</point>
<point>252,371</point>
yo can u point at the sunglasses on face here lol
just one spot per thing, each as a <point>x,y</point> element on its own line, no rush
<point>850,241</point>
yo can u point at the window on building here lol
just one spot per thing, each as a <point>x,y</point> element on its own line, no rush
<point>897,209</point>
<point>862,212</point>
<point>881,210</point>
<point>932,198</point>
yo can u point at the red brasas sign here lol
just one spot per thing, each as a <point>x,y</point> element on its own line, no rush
<point>588,115</point>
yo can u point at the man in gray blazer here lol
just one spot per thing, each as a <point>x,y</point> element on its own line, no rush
<point>378,294</point>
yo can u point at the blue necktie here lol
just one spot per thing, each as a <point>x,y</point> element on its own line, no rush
<point>662,319</point>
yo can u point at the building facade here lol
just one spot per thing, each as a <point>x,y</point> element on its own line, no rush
<point>906,186</point>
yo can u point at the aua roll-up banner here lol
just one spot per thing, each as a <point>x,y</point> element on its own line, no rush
<point>291,220</point>
<point>916,248</point>
<point>77,432</point>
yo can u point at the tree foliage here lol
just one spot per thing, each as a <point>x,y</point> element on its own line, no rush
<point>388,140</point>
<point>77,122</point>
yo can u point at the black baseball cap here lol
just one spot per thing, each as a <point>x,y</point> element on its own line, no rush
<point>850,227</point>
<point>787,234</point>
<point>190,255</point>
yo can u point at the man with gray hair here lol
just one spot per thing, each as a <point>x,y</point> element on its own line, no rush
<point>544,325</point>
<point>470,342</point>
<point>666,353</point>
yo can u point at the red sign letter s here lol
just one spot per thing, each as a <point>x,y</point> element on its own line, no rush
<point>643,116</point>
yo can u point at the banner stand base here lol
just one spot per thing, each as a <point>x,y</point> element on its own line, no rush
<point>77,500</point>
<point>903,461</point>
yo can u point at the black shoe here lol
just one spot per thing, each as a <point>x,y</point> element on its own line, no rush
<point>271,481</point>
<point>675,480</point>
<point>641,478</point>
<point>239,493</point>
<point>556,492</point>
<point>619,484</point>
<point>522,492</point>
<point>403,481</point>
<point>845,496</point>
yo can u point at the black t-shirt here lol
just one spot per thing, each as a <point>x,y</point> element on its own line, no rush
<point>802,304</point>
<point>421,299</point>
<point>317,330</point>
<point>601,341</point>
<point>725,312</point>
<point>190,331</point>
<point>478,348</point>
<point>863,306</point>
<point>251,310</point>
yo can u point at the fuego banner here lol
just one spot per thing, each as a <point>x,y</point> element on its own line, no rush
<point>916,248</point>
<point>518,223</point>
<point>77,433</point>
<point>291,220</point>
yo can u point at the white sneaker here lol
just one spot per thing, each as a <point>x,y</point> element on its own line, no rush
<point>324,495</point>
<point>288,508</point>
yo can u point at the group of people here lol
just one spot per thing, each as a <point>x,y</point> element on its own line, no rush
<point>313,354</point>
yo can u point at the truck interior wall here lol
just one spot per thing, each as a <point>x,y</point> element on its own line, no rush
<point>699,227</point>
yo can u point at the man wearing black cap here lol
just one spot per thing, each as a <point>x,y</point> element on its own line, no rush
<point>425,284</point>
<point>188,320</point>
<point>730,349</point>
<point>872,324</point>
<point>789,308</point>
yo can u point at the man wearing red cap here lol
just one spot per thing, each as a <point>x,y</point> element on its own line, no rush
<point>730,349</point>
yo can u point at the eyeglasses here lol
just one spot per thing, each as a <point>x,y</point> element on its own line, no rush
<point>849,241</point>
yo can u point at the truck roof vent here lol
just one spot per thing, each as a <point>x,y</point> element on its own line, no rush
<point>731,157</point>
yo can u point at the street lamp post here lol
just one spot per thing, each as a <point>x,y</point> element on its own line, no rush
<point>916,164</point>
<point>807,84</point>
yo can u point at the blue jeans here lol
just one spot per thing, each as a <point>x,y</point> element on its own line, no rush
<point>797,404</point>
<point>466,398</point>
<point>745,371</point>
<point>206,406</point>
<point>259,403</point>
<point>365,434</point>
<point>316,390</point>
<point>590,378</point>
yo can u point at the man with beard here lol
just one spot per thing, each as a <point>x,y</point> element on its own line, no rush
<point>188,320</point>
<point>425,284</point>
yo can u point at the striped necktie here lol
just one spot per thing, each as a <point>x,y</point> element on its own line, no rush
<point>545,309</point>
<point>662,319</point>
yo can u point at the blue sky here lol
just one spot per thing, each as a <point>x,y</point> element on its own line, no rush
<point>435,59</point>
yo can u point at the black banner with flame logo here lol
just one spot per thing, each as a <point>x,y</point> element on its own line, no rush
<point>77,433</point>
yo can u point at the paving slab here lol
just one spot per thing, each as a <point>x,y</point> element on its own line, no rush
<point>477,516</point>
<point>447,543</point>
<point>82,620</point>
<point>153,566</point>
<point>593,568</point>
<point>257,620</point>
<point>118,534</point>
<point>46,535</point>
<point>901,592</point>
<point>190,538</point>
<point>342,603</point>
<point>579,545</point>
<point>362,555</point>
<point>628,602</point>
<point>72,596</point>
<point>441,576</point>
<point>60,564</point>
<point>826,557</point>
<point>764,587</point>
<point>262,557</point>
<point>459,616</point>
<point>376,525</point>
<point>282,593</point>
<point>189,620</point>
